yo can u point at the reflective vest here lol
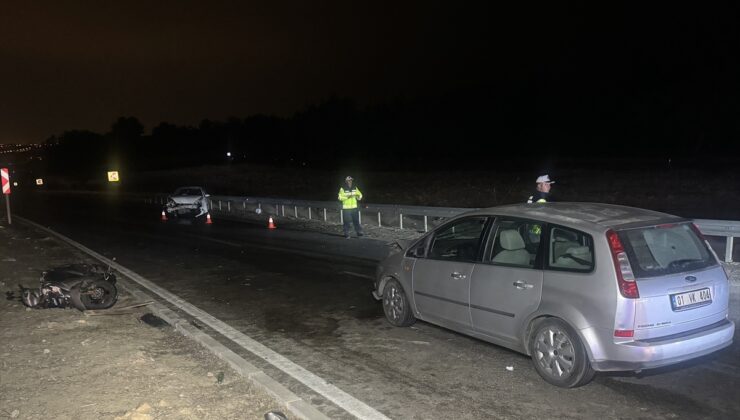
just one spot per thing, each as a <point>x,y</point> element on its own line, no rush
<point>538,197</point>
<point>349,197</point>
<point>531,198</point>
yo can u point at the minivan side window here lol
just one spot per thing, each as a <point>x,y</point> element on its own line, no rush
<point>570,250</point>
<point>459,241</point>
<point>517,243</point>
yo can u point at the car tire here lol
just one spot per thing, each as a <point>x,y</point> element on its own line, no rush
<point>396,305</point>
<point>559,355</point>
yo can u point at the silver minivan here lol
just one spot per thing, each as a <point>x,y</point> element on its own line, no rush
<point>580,287</point>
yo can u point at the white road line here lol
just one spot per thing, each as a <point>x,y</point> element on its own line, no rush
<point>364,276</point>
<point>342,399</point>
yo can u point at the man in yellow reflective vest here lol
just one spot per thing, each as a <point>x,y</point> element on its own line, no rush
<point>349,195</point>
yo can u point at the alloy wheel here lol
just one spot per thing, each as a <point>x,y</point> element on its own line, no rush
<point>554,352</point>
<point>394,302</point>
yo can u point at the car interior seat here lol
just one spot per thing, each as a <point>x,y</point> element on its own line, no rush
<point>513,251</point>
<point>560,247</point>
<point>575,257</point>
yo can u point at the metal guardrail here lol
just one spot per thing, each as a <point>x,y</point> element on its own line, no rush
<point>728,228</point>
<point>391,213</point>
<point>395,215</point>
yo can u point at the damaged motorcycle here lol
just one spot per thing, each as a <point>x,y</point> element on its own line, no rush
<point>82,286</point>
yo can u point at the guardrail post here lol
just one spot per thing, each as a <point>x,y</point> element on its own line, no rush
<point>325,214</point>
<point>341,217</point>
<point>425,223</point>
<point>295,211</point>
<point>245,206</point>
<point>309,213</point>
<point>728,249</point>
<point>400,218</point>
<point>359,216</point>
<point>219,205</point>
<point>283,207</point>
<point>379,224</point>
<point>228,205</point>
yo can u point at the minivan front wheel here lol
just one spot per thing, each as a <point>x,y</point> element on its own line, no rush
<point>559,356</point>
<point>396,305</point>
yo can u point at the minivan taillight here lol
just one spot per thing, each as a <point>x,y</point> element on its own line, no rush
<point>625,277</point>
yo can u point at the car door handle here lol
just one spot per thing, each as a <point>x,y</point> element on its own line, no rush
<point>522,285</point>
<point>457,276</point>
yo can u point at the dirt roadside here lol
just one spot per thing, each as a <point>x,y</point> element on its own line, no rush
<point>62,364</point>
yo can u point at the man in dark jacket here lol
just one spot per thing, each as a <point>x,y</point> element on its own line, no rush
<point>543,190</point>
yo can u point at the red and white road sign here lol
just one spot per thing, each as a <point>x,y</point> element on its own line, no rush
<point>6,180</point>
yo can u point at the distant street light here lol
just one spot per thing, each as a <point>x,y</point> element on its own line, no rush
<point>228,154</point>
<point>113,176</point>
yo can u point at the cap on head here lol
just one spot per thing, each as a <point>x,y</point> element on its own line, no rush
<point>349,178</point>
<point>544,179</point>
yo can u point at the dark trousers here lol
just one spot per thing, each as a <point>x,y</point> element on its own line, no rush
<point>351,216</point>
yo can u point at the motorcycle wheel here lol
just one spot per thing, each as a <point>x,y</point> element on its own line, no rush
<point>31,298</point>
<point>97,294</point>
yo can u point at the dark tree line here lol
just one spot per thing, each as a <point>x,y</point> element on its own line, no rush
<point>479,128</point>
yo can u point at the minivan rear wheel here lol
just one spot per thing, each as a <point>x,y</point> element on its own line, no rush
<point>396,305</point>
<point>559,356</point>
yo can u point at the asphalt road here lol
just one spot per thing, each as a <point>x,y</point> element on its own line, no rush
<point>307,296</point>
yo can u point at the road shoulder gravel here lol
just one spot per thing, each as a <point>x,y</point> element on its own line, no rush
<point>64,364</point>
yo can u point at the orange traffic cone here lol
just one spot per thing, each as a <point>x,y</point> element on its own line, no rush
<point>271,224</point>
<point>208,219</point>
<point>164,216</point>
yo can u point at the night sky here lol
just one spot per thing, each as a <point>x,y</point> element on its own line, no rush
<point>81,64</point>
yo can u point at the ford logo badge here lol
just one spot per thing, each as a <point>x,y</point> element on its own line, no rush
<point>690,279</point>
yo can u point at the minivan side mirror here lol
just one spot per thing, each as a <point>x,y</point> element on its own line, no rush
<point>418,252</point>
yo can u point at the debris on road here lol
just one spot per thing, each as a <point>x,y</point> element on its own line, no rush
<point>126,364</point>
<point>83,286</point>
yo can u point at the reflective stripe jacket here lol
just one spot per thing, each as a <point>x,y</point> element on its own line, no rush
<point>538,197</point>
<point>349,197</point>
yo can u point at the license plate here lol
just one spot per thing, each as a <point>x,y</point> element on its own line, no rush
<point>688,300</point>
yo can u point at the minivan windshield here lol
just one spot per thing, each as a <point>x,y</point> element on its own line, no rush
<point>665,249</point>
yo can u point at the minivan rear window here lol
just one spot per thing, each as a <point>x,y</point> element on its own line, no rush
<point>665,249</point>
